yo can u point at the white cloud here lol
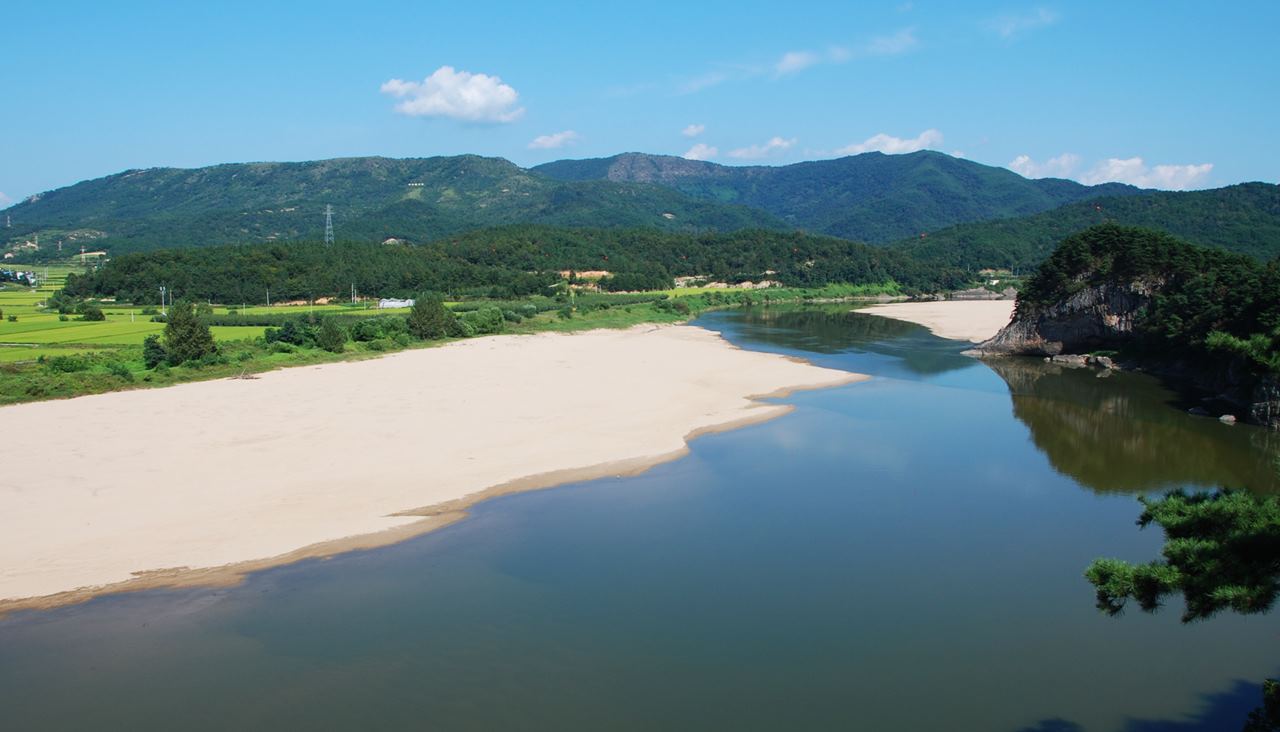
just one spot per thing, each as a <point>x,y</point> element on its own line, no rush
<point>5,200</point>
<point>457,95</point>
<point>900,42</point>
<point>1135,172</point>
<point>705,81</point>
<point>957,154</point>
<point>773,146</point>
<point>701,151</point>
<point>1008,26</point>
<point>894,145</point>
<point>1060,167</point>
<point>891,45</point>
<point>793,61</point>
<point>693,130</point>
<point>554,140</point>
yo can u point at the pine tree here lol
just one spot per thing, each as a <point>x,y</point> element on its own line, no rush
<point>430,319</point>
<point>186,337</point>
<point>331,337</point>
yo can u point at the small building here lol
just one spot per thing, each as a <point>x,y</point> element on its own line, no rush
<point>386,303</point>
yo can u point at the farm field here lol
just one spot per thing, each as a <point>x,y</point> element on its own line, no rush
<point>27,332</point>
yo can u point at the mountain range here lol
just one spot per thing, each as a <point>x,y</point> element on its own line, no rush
<point>872,197</point>
<point>939,209</point>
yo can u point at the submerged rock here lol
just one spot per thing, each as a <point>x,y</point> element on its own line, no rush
<point>1227,419</point>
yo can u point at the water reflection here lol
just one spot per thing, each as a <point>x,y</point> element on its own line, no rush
<point>836,329</point>
<point>1126,433</point>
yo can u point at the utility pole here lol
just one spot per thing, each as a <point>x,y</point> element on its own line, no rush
<point>328,224</point>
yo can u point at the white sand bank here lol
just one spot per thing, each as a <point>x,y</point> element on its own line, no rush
<point>221,473</point>
<point>961,320</point>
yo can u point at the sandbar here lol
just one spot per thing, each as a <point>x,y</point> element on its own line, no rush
<point>202,482</point>
<point>961,320</point>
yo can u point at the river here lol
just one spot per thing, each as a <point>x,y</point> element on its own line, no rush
<point>904,553</point>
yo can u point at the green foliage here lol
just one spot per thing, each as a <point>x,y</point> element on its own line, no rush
<point>1222,552</point>
<point>142,210</point>
<point>120,371</point>
<point>186,337</point>
<point>484,321</point>
<point>153,352</point>
<point>1266,718</point>
<point>506,263</point>
<point>871,197</point>
<point>1243,218</point>
<point>1204,301</point>
<point>429,319</point>
<point>331,336</point>
<point>68,364</point>
<point>92,313</point>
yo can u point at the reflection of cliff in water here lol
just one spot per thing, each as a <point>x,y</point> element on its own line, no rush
<point>836,329</point>
<point>1123,434</point>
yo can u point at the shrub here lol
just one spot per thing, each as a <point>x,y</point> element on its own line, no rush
<point>153,353</point>
<point>63,318</point>
<point>67,364</point>
<point>120,370</point>
<point>429,319</point>
<point>512,316</point>
<point>293,331</point>
<point>92,313</point>
<point>331,338</point>
<point>485,320</point>
<point>14,318</point>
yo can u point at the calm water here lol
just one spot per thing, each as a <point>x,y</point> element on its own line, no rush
<point>900,554</point>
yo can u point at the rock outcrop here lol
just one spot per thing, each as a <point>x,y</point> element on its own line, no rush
<point>1103,317</point>
<point>1094,318</point>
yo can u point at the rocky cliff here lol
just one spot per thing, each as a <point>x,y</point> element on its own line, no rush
<point>1105,316</point>
<point>1096,317</point>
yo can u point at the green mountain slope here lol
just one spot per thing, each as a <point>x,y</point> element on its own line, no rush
<point>1242,218</point>
<point>870,197</point>
<point>373,199</point>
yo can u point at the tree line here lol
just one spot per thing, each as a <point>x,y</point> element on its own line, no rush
<point>504,262</point>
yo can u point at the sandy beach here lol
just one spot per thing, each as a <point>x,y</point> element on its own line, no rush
<point>961,320</point>
<point>202,482</point>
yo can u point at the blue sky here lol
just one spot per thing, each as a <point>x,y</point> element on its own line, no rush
<point>1173,95</point>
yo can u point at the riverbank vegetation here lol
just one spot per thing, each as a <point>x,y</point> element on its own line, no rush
<point>190,347</point>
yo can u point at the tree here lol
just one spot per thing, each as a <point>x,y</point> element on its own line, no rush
<point>429,319</point>
<point>186,337</point>
<point>331,337</point>
<point>1222,552</point>
<point>92,312</point>
<point>153,353</point>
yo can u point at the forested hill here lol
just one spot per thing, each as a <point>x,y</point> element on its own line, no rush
<point>1242,218</point>
<point>870,197</point>
<point>503,262</point>
<point>373,199</point>
<point>1163,302</point>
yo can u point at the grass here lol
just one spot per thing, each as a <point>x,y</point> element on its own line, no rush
<point>107,355</point>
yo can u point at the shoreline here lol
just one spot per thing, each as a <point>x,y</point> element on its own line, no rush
<point>730,410</point>
<point>974,321</point>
